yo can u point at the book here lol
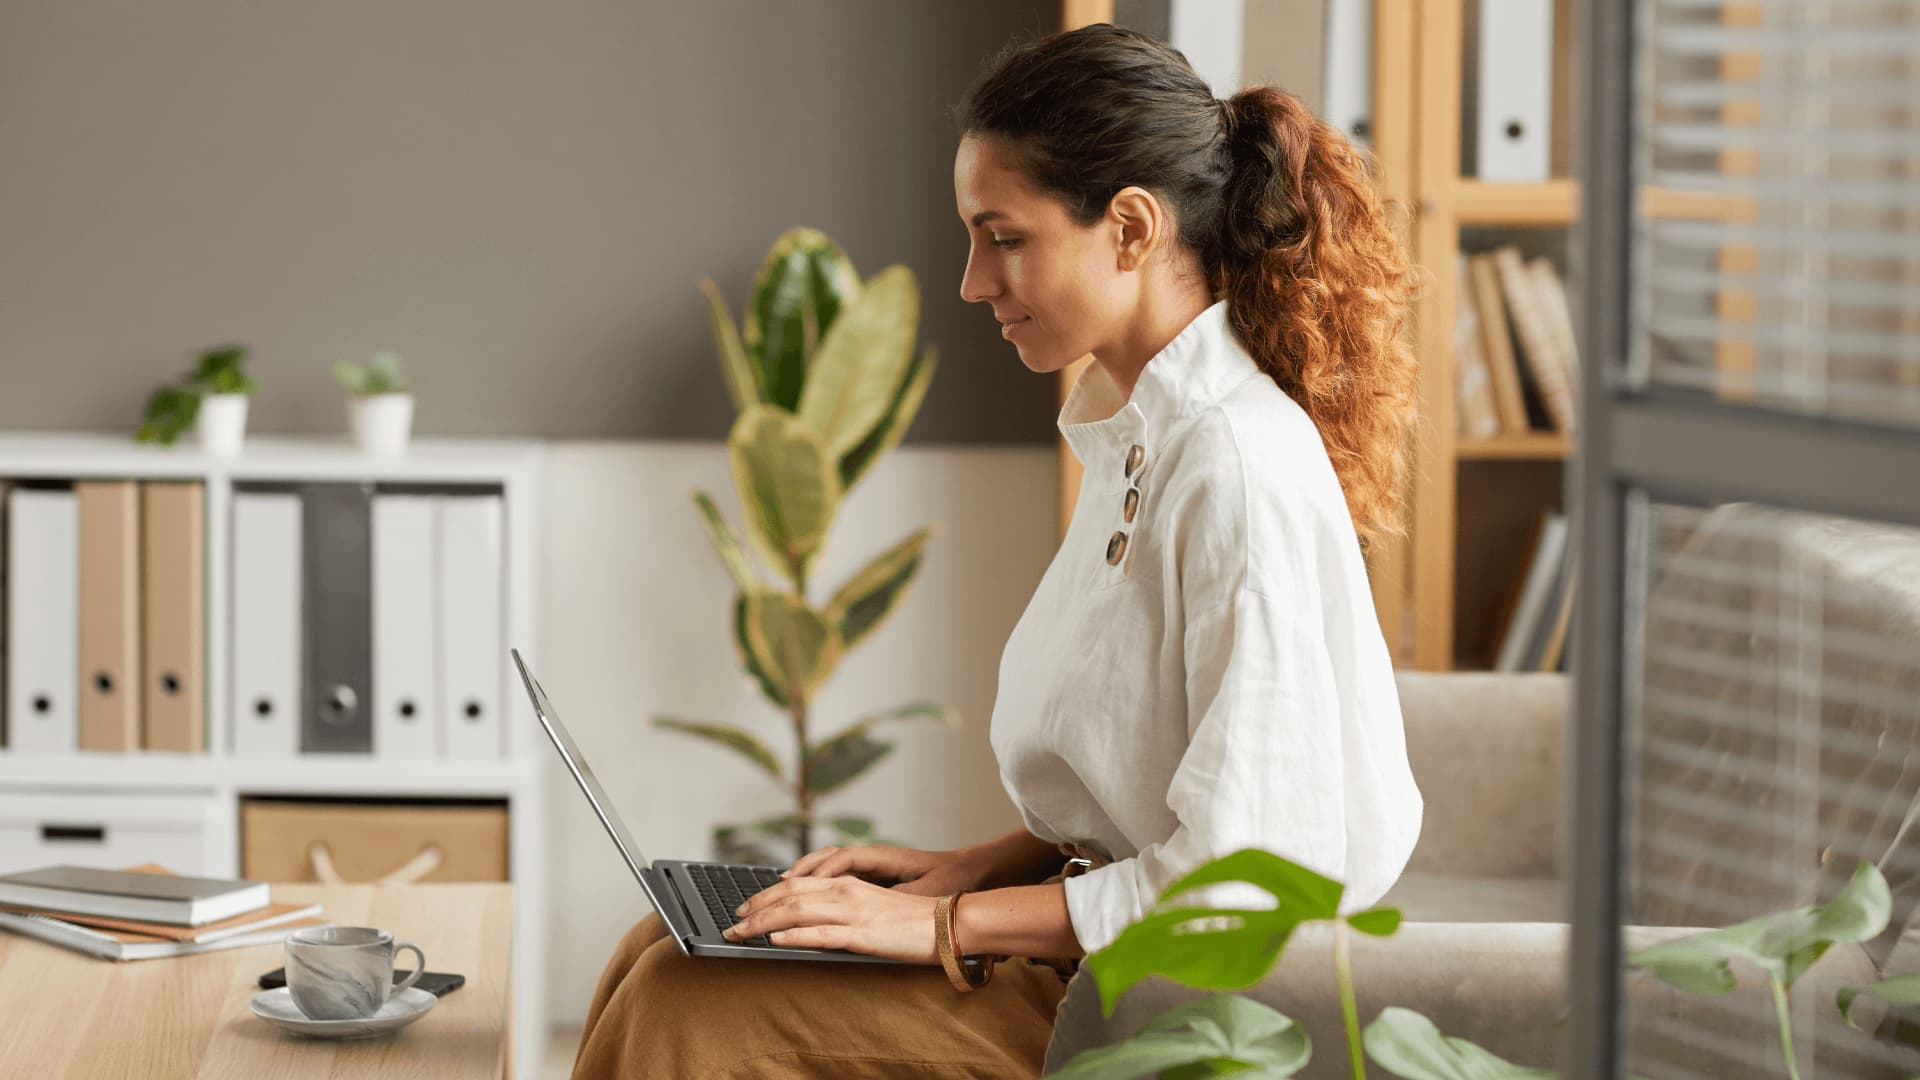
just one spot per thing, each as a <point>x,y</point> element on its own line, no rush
<point>271,915</point>
<point>1553,657</point>
<point>1497,338</point>
<point>123,894</point>
<point>125,945</point>
<point>1536,592</point>
<point>1538,344</point>
<point>1476,415</point>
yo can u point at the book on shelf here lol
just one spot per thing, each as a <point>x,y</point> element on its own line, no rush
<point>1497,339</point>
<point>133,894</point>
<point>1539,347</point>
<point>1478,417</point>
<point>1529,617</point>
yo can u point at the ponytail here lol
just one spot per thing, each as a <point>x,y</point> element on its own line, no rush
<point>1317,285</point>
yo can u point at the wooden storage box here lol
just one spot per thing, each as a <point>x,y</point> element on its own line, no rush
<point>318,841</point>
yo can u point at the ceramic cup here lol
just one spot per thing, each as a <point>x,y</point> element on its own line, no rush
<point>345,972</point>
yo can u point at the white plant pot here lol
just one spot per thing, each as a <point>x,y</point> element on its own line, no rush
<point>382,423</point>
<point>223,423</point>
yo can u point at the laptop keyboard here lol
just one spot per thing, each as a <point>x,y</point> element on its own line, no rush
<point>725,888</point>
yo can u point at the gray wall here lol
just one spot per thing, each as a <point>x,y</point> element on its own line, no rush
<point>517,197</point>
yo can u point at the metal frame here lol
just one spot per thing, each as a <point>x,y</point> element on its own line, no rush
<point>1668,445</point>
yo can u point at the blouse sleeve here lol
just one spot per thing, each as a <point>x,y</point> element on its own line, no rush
<point>1263,766</point>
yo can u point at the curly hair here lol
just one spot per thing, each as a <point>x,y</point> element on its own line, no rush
<point>1279,207</point>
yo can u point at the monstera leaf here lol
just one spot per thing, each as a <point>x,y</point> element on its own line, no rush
<point>1407,1045</point>
<point>864,601</point>
<point>802,287</point>
<point>787,483</point>
<point>790,641</point>
<point>893,426</point>
<point>862,361</point>
<point>740,741</point>
<point>1225,949</point>
<point>1224,1033</point>
<point>743,384</point>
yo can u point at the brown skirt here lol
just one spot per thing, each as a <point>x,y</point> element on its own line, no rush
<point>659,1013</point>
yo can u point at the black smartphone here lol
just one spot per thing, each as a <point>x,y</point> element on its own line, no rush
<point>437,983</point>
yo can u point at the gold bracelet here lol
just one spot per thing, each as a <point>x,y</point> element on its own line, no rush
<point>963,974</point>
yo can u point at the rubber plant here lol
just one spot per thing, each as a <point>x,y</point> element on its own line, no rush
<point>825,379</point>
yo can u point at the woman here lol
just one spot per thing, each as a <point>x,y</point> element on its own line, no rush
<point>1200,669</point>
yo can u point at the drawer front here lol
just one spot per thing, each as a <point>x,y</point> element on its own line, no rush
<point>107,831</point>
<point>285,840</point>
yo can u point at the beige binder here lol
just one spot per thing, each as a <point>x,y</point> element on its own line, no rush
<point>109,614</point>
<point>173,579</point>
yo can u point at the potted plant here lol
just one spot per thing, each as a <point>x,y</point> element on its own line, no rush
<point>825,378</point>
<point>379,402</point>
<point>212,399</point>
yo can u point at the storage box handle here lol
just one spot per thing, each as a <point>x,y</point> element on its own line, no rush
<point>425,862</point>
<point>91,834</point>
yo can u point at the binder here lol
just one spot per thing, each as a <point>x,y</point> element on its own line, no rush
<point>43,631</point>
<point>173,588</point>
<point>336,533</point>
<point>1347,80</point>
<point>266,624</point>
<point>406,670</point>
<point>109,687</point>
<point>471,623</point>
<point>1512,137</point>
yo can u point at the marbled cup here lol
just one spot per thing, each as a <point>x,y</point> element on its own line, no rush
<point>345,972</point>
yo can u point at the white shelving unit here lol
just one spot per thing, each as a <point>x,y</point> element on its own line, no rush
<point>223,779</point>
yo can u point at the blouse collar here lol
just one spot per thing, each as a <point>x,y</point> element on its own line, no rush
<point>1196,369</point>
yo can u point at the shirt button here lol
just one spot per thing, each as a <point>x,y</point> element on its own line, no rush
<point>1132,505</point>
<point>1116,548</point>
<point>1136,457</point>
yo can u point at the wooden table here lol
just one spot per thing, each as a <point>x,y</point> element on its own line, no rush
<point>68,1014</point>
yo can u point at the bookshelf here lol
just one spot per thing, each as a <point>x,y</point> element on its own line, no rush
<point>133,800</point>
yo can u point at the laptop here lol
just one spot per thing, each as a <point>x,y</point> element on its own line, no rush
<point>695,900</point>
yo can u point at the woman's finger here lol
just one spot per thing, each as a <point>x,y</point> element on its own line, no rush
<point>793,910</point>
<point>811,859</point>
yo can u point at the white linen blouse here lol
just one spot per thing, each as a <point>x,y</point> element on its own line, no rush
<point>1200,669</point>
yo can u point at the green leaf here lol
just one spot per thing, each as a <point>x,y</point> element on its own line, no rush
<point>171,412</point>
<point>839,760</point>
<point>748,664</point>
<point>869,596</point>
<point>781,827</point>
<point>862,361</point>
<point>893,426</point>
<point>1897,992</point>
<point>1217,1034</point>
<point>1217,949</point>
<point>1380,922</point>
<point>726,544</point>
<point>351,377</point>
<point>384,375</point>
<point>856,829</point>
<point>787,484</point>
<point>790,641</point>
<point>1407,1045</point>
<point>733,738</point>
<point>800,291</point>
<point>743,386</point>
<point>1784,944</point>
<point>220,371</point>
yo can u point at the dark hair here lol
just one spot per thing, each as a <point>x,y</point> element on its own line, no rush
<point>1279,207</point>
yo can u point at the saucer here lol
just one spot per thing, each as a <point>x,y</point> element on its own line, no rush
<point>401,1009</point>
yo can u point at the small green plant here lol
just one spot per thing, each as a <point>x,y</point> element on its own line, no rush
<point>173,410</point>
<point>1232,949</point>
<point>825,379</point>
<point>381,375</point>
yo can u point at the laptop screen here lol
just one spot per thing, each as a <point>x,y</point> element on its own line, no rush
<point>577,764</point>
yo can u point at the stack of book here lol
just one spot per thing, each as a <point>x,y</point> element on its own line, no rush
<point>1514,358</point>
<point>1533,636</point>
<point>145,912</point>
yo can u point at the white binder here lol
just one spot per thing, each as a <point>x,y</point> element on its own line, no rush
<point>266,624</point>
<point>1211,34</point>
<point>1347,72</point>
<point>472,592</point>
<point>1513,142</point>
<point>43,622</point>
<point>406,673</point>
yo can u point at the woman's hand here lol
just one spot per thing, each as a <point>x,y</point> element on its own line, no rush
<point>829,912</point>
<point>921,873</point>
